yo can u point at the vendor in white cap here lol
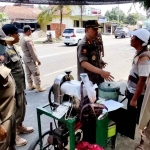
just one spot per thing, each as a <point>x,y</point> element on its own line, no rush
<point>7,101</point>
<point>138,75</point>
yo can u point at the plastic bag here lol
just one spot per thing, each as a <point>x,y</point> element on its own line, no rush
<point>86,146</point>
<point>90,88</point>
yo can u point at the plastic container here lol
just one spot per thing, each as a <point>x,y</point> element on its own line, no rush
<point>102,131</point>
<point>109,90</point>
<point>111,129</point>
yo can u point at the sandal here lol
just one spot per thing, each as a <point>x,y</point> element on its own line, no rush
<point>140,147</point>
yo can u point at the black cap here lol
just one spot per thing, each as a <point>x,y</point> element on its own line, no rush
<point>92,24</point>
<point>27,28</point>
<point>9,29</point>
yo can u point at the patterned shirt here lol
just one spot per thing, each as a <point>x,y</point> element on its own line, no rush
<point>140,68</point>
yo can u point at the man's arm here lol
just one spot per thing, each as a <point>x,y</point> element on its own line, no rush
<point>139,89</point>
<point>106,75</point>
<point>143,69</point>
<point>32,51</point>
<point>3,133</point>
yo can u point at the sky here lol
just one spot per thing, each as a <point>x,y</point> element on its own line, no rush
<point>104,8</point>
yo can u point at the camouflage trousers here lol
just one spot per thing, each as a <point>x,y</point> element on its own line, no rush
<point>10,126</point>
<point>20,107</point>
<point>33,73</point>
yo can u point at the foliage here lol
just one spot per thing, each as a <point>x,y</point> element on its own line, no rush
<point>132,19</point>
<point>142,17</point>
<point>145,4</point>
<point>47,14</point>
<point>113,15</point>
<point>3,17</point>
<point>41,7</point>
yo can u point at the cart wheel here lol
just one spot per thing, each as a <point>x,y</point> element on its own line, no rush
<point>35,145</point>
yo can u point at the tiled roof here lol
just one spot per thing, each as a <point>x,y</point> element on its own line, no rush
<point>20,12</point>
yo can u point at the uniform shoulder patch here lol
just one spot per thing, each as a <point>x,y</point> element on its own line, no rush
<point>84,51</point>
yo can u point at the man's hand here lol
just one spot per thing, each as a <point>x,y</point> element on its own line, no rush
<point>103,64</point>
<point>2,58</point>
<point>106,75</point>
<point>133,103</point>
<point>3,133</point>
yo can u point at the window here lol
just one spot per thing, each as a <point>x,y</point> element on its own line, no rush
<point>68,31</point>
<point>76,23</point>
<point>48,27</point>
<point>80,30</point>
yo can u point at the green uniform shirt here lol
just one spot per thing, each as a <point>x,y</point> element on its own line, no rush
<point>90,52</point>
<point>14,62</point>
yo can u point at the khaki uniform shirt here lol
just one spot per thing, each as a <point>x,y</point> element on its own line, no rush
<point>145,111</point>
<point>7,100</point>
<point>29,51</point>
<point>90,52</point>
<point>13,61</point>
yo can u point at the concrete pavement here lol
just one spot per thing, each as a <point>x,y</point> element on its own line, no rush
<point>56,58</point>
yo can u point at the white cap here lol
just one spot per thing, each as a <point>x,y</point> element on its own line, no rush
<point>142,34</point>
<point>4,37</point>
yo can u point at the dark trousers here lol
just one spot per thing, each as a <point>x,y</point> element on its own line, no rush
<point>133,109</point>
<point>126,120</point>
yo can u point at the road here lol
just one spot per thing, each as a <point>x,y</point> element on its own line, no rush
<point>56,58</point>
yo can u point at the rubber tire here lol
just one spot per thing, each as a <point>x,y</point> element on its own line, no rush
<point>116,36</point>
<point>36,140</point>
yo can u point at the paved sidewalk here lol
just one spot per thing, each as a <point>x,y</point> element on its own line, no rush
<point>119,59</point>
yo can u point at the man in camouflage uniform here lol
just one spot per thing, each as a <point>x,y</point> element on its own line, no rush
<point>89,61</point>
<point>7,101</point>
<point>31,60</point>
<point>14,62</point>
<point>89,55</point>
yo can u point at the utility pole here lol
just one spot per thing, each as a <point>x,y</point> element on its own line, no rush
<point>81,9</point>
<point>118,14</point>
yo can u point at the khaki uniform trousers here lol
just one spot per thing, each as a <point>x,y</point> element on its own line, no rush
<point>32,72</point>
<point>7,116</point>
<point>145,117</point>
<point>20,108</point>
<point>10,127</point>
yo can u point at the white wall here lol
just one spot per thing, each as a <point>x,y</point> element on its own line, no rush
<point>66,20</point>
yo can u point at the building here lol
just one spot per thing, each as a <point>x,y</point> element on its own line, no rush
<point>22,14</point>
<point>73,16</point>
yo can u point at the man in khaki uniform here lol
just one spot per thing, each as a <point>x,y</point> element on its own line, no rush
<point>144,124</point>
<point>7,101</point>
<point>14,62</point>
<point>31,60</point>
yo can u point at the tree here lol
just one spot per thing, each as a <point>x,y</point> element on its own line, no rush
<point>3,18</point>
<point>46,15</point>
<point>145,4</point>
<point>41,7</point>
<point>114,14</point>
<point>132,19</point>
<point>82,9</point>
